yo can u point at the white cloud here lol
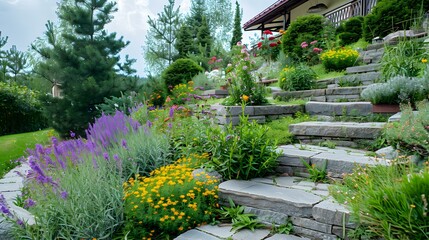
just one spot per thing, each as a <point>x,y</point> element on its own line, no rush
<point>132,16</point>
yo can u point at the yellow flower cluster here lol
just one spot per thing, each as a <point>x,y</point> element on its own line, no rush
<point>342,54</point>
<point>171,198</point>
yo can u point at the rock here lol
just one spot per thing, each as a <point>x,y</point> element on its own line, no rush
<point>387,153</point>
<point>196,235</point>
<point>338,109</point>
<point>331,212</point>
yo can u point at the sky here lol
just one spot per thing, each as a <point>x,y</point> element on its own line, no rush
<point>24,20</point>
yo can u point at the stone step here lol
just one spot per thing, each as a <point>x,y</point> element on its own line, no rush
<point>339,108</point>
<point>365,79</point>
<point>339,160</point>
<point>354,130</point>
<point>276,199</point>
<point>372,56</point>
<point>363,69</point>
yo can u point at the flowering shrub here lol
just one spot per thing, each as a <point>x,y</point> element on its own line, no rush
<point>182,94</point>
<point>241,80</point>
<point>215,63</point>
<point>339,59</point>
<point>269,46</point>
<point>297,78</point>
<point>171,200</point>
<point>310,52</point>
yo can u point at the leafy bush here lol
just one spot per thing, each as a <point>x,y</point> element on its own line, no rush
<point>397,90</point>
<point>297,78</point>
<point>242,152</point>
<point>411,133</point>
<point>182,93</point>
<point>392,15</point>
<point>278,130</point>
<point>171,200</point>
<point>390,201</point>
<point>403,59</point>
<point>268,47</point>
<point>339,59</point>
<point>303,29</point>
<point>21,111</point>
<point>124,104</point>
<point>180,71</point>
<point>242,85</point>
<point>350,31</point>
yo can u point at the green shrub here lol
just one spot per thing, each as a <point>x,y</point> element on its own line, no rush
<point>278,130</point>
<point>303,29</point>
<point>350,31</point>
<point>397,90</point>
<point>242,152</point>
<point>392,15</point>
<point>171,200</point>
<point>390,201</point>
<point>180,71</point>
<point>411,133</point>
<point>301,77</point>
<point>21,111</point>
<point>403,59</point>
<point>125,104</point>
<point>339,59</point>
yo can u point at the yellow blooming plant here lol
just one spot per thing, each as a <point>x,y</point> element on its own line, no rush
<point>170,200</point>
<point>339,59</point>
<point>182,93</point>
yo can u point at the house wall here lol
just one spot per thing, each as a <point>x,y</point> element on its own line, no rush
<point>301,10</point>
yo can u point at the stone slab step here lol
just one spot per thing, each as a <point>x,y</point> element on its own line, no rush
<point>338,161</point>
<point>362,78</point>
<point>350,130</point>
<point>363,69</point>
<point>372,56</point>
<point>338,108</point>
<point>292,202</point>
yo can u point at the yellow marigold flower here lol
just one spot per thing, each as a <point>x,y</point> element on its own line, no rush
<point>245,97</point>
<point>424,60</point>
<point>413,206</point>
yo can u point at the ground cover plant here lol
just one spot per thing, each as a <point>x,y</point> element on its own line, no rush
<point>278,130</point>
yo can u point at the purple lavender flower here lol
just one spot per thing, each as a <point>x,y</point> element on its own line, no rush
<point>124,143</point>
<point>64,194</point>
<point>171,113</point>
<point>149,124</point>
<point>106,155</point>
<point>29,203</point>
<point>20,222</point>
<point>72,134</point>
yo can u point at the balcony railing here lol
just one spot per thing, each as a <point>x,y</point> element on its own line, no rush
<point>351,9</point>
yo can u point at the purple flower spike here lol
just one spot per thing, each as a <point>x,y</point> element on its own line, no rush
<point>149,124</point>
<point>64,194</point>
<point>29,203</point>
<point>72,134</point>
<point>124,143</point>
<point>106,156</point>
<point>171,113</point>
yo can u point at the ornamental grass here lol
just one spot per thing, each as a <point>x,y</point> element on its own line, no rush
<point>171,200</point>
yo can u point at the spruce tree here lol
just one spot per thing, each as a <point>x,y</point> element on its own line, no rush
<point>204,38</point>
<point>195,20</point>
<point>237,34</point>
<point>87,61</point>
<point>184,42</point>
<point>3,62</point>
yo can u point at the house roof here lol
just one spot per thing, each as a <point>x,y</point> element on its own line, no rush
<point>272,17</point>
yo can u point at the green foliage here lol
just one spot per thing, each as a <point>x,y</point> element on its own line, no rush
<point>391,201</point>
<point>240,220</point>
<point>304,29</point>
<point>318,174</point>
<point>87,60</point>
<point>180,71</point>
<point>170,201</point>
<point>392,15</point>
<point>350,31</point>
<point>278,130</point>
<point>411,133</point>
<point>404,59</point>
<point>21,110</point>
<point>244,151</point>
<point>184,41</point>
<point>237,34</point>
<point>397,90</point>
<point>88,205</point>
<point>268,47</point>
<point>328,144</point>
<point>285,228</point>
<point>243,88</point>
<point>124,104</point>
<point>301,77</point>
<point>204,38</point>
<point>339,59</point>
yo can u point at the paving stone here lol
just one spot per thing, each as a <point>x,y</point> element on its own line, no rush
<point>16,179</point>
<point>343,98</point>
<point>300,94</point>
<point>194,234</point>
<point>292,156</point>
<point>311,224</point>
<point>369,77</point>
<point>345,90</point>
<point>364,68</point>
<point>292,202</point>
<point>314,234</point>
<point>331,212</point>
<point>277,109</point>
<point>10,187</point>
<point>246,234</point>
<point>339,109</point>
<point>223,231</point>
<point>268,217</point>
<point>285,237</point>
<point>369,130</point>
<point>318,99</point>
<point>23,214</point>
<point>221,110</point>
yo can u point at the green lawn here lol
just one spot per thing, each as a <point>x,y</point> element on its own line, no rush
<point>14,146</point>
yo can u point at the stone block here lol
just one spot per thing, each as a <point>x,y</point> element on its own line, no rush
<point>342,98</point>
<point>223,231</point>
<point>341,232</point>
<point>318,99</point>
<point>338,109</point>
<point>285,237</point>
<point>345,91</point>
<point>221,110</point>
<point>194,234</point>
<point>312,224</point>
<point>247,234</point>
<point>295,156</point>
<point>331,212</point>
<point>364,68</point>
<point>313,234</point>
<point>268,217</point>
<point>300,94</point>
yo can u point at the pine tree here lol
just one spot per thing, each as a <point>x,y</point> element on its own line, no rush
<point>184,42</point>
<point>159,46</point>
<point>3,41</point>
<point>204,38</point>
<point>195,20</point>
<point>220,17</point>
<point>88,58</point>
<point>237,34</point>
<point>16,62</point>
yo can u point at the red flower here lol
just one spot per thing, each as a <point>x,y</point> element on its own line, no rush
<point>273,44</point>
<point>259,44</point>
<point>271,38</point>
<point>268,32</point>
